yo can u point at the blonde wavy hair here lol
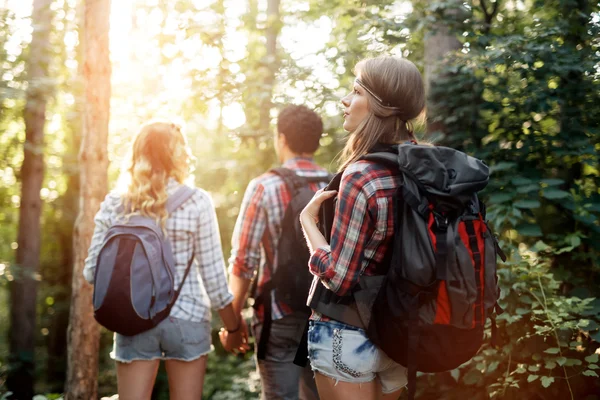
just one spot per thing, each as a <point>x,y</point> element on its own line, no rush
<point>159,152</point>
<point>396,98</point>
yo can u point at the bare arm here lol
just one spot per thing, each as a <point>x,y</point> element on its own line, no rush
<point>309,218</point>
<point>239,287</point>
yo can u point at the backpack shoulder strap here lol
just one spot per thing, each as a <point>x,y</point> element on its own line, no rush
<point>418,200</point>
<point>383,157</point>
<point>323,178</point>
<point>292,180</point>
<point>180,196</point>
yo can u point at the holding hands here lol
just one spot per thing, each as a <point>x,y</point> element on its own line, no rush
<point>235,341</point>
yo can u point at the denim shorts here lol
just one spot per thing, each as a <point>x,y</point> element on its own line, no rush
<point>344,353</point>
<point>171,339</point>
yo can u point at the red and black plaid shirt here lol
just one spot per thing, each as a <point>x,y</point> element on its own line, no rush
<point>363,226</point>
<point>258,226</point>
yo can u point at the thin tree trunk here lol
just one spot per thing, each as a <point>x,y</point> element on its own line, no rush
<point>23,290</point>
<point>83,333</point>
<point>439,41</point>
<point>271,62</point>
<point>57,338</point>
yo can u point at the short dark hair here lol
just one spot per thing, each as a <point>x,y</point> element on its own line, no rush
<point>302,128</point>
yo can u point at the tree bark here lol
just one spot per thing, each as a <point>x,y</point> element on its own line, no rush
<point>23,290</point>
<point>270,63</point>
<point>83,332</point>
<point>57,338</point>
<point>439,41</point>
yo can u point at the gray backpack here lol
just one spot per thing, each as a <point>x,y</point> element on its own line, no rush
<point>134,282</point>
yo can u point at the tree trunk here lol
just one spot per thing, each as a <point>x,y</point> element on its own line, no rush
<point>270,63</point>
<point>83,333</point>
<point>23,290</point>
<point>439,41</point>
<point>57,338</point>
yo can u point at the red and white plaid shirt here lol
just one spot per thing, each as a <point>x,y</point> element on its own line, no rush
<point>363,227</point>
<point>258,227</point>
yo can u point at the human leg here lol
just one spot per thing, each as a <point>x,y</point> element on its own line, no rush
<point>186,378</point>
<point>135,379</point>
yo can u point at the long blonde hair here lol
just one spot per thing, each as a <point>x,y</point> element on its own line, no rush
<point>159,152</point>
<point>399,100</point>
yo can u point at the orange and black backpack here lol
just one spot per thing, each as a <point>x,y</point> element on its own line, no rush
<point>428,312</point>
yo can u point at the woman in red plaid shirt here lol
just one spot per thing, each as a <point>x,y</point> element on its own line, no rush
<point>387,94</point>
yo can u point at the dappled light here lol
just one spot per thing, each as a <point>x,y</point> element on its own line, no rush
<point>514,83</point>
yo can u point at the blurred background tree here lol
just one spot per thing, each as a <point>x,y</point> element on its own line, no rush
<point>514,82</point>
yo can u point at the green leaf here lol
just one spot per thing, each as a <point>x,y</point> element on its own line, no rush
<point>555,194</point>
<point>455,373</point>
<point>540,246</point>
<point>561,361</point>
<point>593,366</point>
<point>592,326</point>
<point>532,378</point>
<point>528,188</point>
<point>502,166</point>
<point>525,299</point>
<point>529,230</point>
<point>552,182</point>
<point>552,350</point>
<point>500,198</point>
<point>592,359</point>
<point>573,361</point>
<point>547,381</point>
<point>595,207</point>
<point>565,250</point>
<point>520,181</point>
<point>522,311</point>
<point>550,365</point>
<point>527,204</point>
<point>583,323</point>
<point>472,377</point>
<point>589,372</point>
<point>493,366</point>
<point>533,368</point>
<point>574,240</point>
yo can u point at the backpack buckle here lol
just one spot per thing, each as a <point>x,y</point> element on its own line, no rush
<point>441,222</point>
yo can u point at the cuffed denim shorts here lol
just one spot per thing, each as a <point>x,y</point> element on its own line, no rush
<point>344,353</point>
<point>171,339</point>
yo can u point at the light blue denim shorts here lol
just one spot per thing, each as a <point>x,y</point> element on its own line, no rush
<point>171,339</point>
<point>344,353</point>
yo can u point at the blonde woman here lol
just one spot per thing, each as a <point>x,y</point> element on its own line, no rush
<point>386,96</point>
<point>159,166</point>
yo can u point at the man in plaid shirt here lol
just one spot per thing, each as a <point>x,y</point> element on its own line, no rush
<point>255,239</point>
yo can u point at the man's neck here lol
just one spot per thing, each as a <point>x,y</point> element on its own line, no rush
<point>289,156</point>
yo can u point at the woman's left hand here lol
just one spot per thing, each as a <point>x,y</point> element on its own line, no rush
<point>311,211</point>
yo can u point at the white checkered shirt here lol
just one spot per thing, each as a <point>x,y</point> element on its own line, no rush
<point>193,227</point>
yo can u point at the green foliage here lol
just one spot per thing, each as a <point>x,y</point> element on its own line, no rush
<point>521,94</point>
<point>230,377</point>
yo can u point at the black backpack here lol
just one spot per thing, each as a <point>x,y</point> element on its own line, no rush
<point>429,310</point>
<point>291,278</point>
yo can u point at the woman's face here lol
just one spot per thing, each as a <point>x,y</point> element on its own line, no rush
<point>356,107</point>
